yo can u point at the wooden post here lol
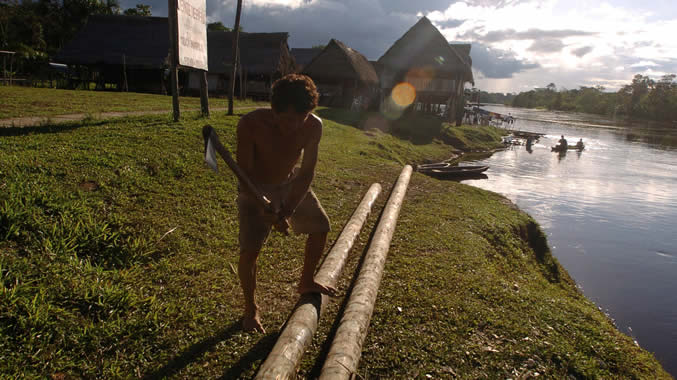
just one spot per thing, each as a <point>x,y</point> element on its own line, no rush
<point>125,86</point>
<point>174,59</point>
<point>236,39</point>
<point>346,348</point>
<point>204,93</point>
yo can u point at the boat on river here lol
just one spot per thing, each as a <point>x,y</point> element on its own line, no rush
<point>560,148</point>
<point>453,171</point>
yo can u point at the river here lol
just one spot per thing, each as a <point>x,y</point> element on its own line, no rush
<point>610,213</point>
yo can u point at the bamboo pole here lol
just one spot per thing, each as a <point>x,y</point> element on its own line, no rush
<point>346,349</point>
<point>236,41</point>
<point>298,332</point>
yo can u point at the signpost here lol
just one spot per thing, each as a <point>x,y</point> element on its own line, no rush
<point>188,44</point>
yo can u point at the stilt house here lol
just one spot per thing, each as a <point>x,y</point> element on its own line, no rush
<point>125,52</point>
<point>264,57</point>
<point>437,70</point>
<point>344,77</point>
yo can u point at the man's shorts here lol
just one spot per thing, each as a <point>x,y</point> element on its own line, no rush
<point>309,217</point>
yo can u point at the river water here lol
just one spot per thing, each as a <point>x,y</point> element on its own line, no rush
<point>610,213</point>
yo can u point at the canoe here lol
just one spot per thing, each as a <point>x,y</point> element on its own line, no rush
<point>439,165</point>
<point>558,148</point>
<point>454,171</point>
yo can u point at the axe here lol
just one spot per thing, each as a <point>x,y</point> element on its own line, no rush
<point>212,146</point>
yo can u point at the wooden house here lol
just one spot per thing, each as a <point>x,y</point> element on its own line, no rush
<point>425,60</point>
<point>344,77</point>
<point>125,52</point>
<point>264,57</point>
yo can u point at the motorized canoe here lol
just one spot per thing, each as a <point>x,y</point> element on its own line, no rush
<point>559,148</point>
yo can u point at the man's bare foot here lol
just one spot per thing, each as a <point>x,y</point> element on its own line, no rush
<point>314,287</point>
<point>252,322</point>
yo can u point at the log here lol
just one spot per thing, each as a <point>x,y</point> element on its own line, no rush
<point>346,348</point>
<point>297,333</point>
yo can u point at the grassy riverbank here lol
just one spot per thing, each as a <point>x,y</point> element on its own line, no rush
<point>29,101</point>
<point>118,251</point>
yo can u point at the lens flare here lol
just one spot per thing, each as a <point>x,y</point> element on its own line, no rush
<point>403,94</point>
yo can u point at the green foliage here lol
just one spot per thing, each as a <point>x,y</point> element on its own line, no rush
<point>38,29</point>
<point>643,98</point>
<point>218,26</point>
<point>139,10</point>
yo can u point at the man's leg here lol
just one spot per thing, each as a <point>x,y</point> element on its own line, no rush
<point>247,272</point>
<point>314,248</point>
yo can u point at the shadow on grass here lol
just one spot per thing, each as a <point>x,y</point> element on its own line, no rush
<point>48,128</point>
<point>192,353</point>
<point>416,128</point>
<point>258,352</point>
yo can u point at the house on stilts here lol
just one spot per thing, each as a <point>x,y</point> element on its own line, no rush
<point>264,57</point>
<point>119,52</point>
<point>436,70</point>
<point>343,76</point>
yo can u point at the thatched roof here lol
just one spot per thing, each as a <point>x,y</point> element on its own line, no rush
<point>303,56</point>
<point>338,61</point>
<point>424,46</point>
<point>260,53</point>
<point>144,41</point>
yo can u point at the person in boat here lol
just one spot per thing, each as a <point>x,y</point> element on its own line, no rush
<point>563,143</point>
<point>579,144</point>
<point>270,142</point>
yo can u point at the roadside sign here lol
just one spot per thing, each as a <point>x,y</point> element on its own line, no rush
<point>191,17</point>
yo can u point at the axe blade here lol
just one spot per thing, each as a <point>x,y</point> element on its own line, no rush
<point>210,154</point>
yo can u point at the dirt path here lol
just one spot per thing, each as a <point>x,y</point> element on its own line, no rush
<point>33,121</point>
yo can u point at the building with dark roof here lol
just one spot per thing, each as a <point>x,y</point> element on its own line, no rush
<point>344,77</point>
<point>424,58</point>
<point>109,48</point>
<point>264,57</point>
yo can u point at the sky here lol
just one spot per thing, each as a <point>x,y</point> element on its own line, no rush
<point>517,45</point>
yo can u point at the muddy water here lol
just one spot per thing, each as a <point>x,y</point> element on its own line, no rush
<point>610,213</point>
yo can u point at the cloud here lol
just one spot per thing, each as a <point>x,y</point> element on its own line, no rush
<point>496,63</point>
<point>530,34</point>
<point>582,51</point>
<point>549,45</point>
<point>414,7</point>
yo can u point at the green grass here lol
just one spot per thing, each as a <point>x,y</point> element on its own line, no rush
<point>28,101</point>
<point>118,248</point>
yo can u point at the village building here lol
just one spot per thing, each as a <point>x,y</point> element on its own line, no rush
<point>303,56</point>
<point>131,53</point>
<point>264,57</point>
<point>437,70</point>
<point>344,77</point>
<point>122,52</point>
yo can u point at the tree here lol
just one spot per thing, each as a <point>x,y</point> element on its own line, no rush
<point>218,26</point>
<point>551,87</point>
<point>139,10</point>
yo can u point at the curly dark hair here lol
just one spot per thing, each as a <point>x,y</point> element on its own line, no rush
<point>295,90</point>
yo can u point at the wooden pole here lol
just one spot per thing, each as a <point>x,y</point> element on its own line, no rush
<point>204,93</point>
<point>174,59</point>
<point>298,332</point>
<point>125,85</point>
<point>346,349</point>
<point>236,39</point>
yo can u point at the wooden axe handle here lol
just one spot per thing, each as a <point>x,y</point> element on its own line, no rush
<point>209,134</point>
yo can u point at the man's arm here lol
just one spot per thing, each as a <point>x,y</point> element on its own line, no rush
<point>301,183</point>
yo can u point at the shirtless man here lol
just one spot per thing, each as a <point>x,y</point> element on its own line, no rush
<point>270,142</point>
